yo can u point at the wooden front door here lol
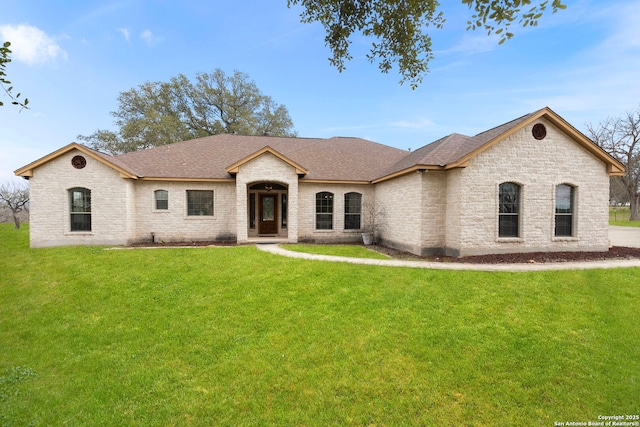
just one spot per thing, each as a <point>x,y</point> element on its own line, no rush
<point>268,214</point>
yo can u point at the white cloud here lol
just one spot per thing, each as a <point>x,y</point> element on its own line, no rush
<point>30,44</point>
<point>149,38</point>
<point>472,43</point>
<point>413,124</point>
<point>125,33</point>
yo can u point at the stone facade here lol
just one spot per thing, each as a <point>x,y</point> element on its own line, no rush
<point>266,168</point>
<point>113,215</point>
<point>173,224</point>
<point>307,212</point>
<point>426,209</point>
<point>538,166</point>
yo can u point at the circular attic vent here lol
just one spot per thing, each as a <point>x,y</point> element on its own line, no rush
<point>79,162</point>
<point>539,131</point>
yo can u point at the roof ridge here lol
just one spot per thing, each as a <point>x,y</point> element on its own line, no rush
<point>506,123</point>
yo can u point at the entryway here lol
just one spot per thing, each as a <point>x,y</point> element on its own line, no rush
<point>267,210</point>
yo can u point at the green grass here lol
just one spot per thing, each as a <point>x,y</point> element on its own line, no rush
<point>238,337</point>
<point>351,251</point>
<point>619,215</point>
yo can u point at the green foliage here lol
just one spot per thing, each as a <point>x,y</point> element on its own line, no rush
<point>399,28</point>
<point>160,113</point>
<point>236,336</point>
<point>4,60</point>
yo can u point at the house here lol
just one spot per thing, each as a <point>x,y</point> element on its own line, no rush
<point>532,184</point>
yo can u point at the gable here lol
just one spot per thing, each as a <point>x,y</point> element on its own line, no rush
<point>455,151</point>
<point>123,169</point>
<point>234,168</point>
<point>488,139</point>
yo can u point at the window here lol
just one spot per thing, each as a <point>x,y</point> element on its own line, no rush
<point>284,211</point>
<point>324,211</point>
<point>252,211</point>
<point>162,199</point>
<point>80,209</point>
<point>564,210</point>
<point>352,211</point>
<point>199,203</point>
<point>509,210</point>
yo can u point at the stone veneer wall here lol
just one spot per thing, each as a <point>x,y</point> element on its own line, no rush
<point>112,215</point>
<point>400,200</point>
<point>307,212</point>
<point>538,166</point>
<point>414,207</point>
<point>173,224</point>
<point>266,167</point>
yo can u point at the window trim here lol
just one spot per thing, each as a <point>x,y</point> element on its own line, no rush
<point>87,213</point>
<point>156,200</point>
<point>327,195</point>
<point>357,214</point>
<point>571,214</point>
<point>284,214</point>
<point>190,209</point>
<point>502,234</point>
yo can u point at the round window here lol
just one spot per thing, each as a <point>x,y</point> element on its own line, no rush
<point>539,131</point>
<point>79,162</point>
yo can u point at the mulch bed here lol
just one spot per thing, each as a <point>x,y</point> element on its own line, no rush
<point>616,252</point>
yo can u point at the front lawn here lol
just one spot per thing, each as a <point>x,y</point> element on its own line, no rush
<point>619,215</point>
<point>234,336</point>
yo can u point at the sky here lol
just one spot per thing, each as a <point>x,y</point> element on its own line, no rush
<point>73,58</point>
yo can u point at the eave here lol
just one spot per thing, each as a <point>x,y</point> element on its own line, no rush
<point>334,181</point>
<point>195,179</point>
<point>412,169</point>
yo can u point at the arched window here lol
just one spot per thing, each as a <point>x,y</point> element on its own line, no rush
<point>162,199</point>
<point>509,210</point>
<point>80,209</point>
<point>352,211</point>
<point>564,210</point>
<point>324,211</point>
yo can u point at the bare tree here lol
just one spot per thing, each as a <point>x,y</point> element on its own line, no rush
<point>374,217</point>
<point>620,137</point>
<point>16,198</point>
<point>618,194</point>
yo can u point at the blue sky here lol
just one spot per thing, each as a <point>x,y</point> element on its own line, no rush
<point>73,58</point>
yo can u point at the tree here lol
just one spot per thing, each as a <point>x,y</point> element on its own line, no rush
<point>16,198</point>
<point>618,194</point>
<point>399,27</point>
<point>159,113</point>
<point>620,137</point>
<point>4,60</point>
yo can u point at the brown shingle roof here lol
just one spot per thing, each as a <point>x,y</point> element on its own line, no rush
<point>452,148</point>
<point>340,159</point>
<point>333,159</point>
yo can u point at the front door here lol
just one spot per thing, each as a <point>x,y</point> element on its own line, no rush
<point>268,214</point>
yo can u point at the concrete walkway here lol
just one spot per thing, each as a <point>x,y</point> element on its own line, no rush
<point>624,236</point>
<point>627,236</point>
